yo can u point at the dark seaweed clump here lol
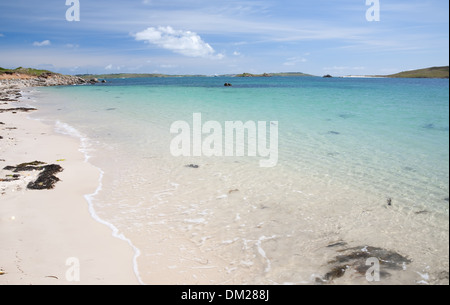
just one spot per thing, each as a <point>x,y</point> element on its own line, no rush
<point>192,166</point>
<point>15,110</point>
<point>26,167</point>
<point>46,179</point>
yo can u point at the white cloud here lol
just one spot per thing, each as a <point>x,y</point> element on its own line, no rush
<point>294,61</point>
<point>112,67</point>
<point>42,44</point>
<point>183,42</point>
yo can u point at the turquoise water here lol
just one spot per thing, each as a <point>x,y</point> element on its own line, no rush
<point>345,147</point>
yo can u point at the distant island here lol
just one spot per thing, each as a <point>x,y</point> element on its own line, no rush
<point>434,72</point>
<point>146,75</point>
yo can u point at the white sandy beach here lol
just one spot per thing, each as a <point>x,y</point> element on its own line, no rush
<point>44,234</point>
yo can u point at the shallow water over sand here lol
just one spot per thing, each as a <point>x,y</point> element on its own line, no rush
<point>346,146</point>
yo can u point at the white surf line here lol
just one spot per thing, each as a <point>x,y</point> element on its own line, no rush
<point>263,253</point>
<point>116,233</point>
<point>66,129</point>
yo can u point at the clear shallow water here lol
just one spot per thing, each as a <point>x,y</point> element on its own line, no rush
<point>345,147</point>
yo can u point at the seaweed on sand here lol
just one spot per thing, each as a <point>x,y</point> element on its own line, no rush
<point>46,179</point>
<point>26,167</point>
<point>15,110</point>
<point>192,166</point>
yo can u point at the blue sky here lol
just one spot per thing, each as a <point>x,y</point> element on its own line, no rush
<point>227,36</point>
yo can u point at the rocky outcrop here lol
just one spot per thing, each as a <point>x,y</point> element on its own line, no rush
<point>45,80</point>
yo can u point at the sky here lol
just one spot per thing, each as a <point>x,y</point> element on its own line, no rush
<point>337,37</point>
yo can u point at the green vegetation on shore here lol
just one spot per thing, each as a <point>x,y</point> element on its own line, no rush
<point>434,72</point>
<point>25,71</point>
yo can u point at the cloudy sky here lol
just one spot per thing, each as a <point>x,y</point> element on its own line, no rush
<point>227,36</point>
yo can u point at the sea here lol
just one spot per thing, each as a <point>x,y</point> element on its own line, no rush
<point>361,169</point>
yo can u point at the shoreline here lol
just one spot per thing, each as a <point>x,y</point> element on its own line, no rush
<point>50,237</point>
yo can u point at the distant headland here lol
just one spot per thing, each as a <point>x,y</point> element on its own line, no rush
<point>434,72</point>
<point>29,73</point>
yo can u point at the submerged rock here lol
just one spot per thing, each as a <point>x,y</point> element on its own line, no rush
<point>192,166</point>
<point>356,259</point>
<point>389,201</point>
<point>334,133</point>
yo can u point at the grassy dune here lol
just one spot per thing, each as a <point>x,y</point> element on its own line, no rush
<point>434,72</point>
<point>25,71</point>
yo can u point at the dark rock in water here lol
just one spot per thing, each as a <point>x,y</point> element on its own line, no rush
<point>422,212</point>
<point>228,85</point>
<point>336,273</point>
<point>339,244</point>
<point>192,166</point>
<point>327,76</point>
<point>346,116</point>
<point>409,169</point>
<point>444,275</point>
<point>356,259</point>
<point>434,127</point>
<point>47,179</point>
<point>389,201</point>
<point>334,133</point>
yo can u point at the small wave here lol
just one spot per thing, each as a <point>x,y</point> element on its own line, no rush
<point>116,233</point>
<point>85,147</point>
<point>66,129</point>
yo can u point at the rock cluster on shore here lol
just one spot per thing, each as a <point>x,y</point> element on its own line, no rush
<point>44,80</point>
